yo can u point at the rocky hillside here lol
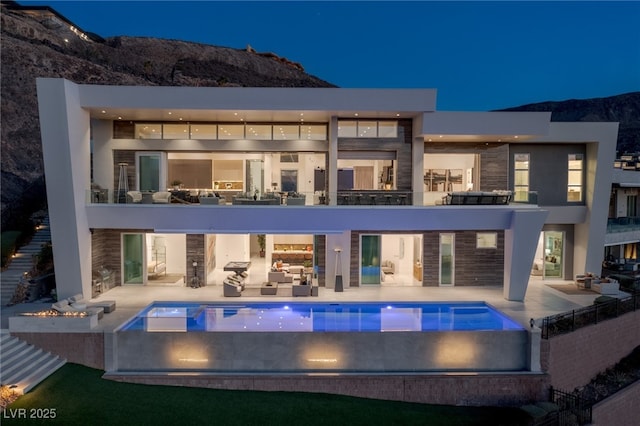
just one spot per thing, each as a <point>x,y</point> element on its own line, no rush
<point>42,46</point>
<point>624,109</point>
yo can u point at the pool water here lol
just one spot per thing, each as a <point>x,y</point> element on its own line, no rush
<point>320,317</point>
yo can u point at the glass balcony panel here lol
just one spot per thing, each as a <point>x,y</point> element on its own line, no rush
<point>204,131</point>
<point>230,131</point>
<point>148,131</point>
<point>258,131</point>
<point>175,131</point>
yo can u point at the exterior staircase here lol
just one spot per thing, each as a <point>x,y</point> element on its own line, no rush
<point>23,262</point>
<point>23,366</point>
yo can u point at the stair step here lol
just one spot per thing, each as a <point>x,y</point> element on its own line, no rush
<point>36,365</point>
<point>13,365</point>
<point>36,379</point>
<point>13,346</point>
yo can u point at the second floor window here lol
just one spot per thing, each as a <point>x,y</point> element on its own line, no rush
<point>575,177</point>
<point>521,178</point>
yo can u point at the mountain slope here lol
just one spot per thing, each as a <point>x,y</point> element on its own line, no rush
<point>624,109</point>
<point>35,45</point>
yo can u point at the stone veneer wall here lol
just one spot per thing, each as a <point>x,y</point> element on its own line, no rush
<point>80,348</point>
<point>124,156</point>
<point>478,390</point>
<point>106,249</point>
<point>401,145</point>
<point>573,359</point>
<point>195,251</point>
<point>321,252</point>
<point>494,160</point>
<point>473,266</point>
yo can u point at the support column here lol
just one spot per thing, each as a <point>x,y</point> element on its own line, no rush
<point>520,242</point>
<point>333,161</point>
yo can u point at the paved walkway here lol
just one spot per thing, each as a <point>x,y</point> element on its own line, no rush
<point>540,301</point>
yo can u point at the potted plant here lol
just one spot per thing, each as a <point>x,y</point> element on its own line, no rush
<point>262,242</point>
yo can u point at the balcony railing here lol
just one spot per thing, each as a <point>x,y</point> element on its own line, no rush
<point>342,198</point>
<point>623,224</point>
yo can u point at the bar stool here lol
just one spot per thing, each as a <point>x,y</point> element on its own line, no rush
<point>358,199</point>
<point>372,199</point>
<point>345,200</point>
<point>402,199</point>
<point>388,198</point>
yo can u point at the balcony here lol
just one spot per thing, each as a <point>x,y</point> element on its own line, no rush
<point>319,198</point>
<point>623,224</point>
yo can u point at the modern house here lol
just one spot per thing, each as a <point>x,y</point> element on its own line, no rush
<point>373,185</point>
<point>622,240</point>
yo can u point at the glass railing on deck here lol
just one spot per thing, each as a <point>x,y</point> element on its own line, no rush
<point>623,224</point>
<point>392,197</point>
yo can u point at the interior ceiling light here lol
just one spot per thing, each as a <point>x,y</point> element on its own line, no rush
<point>104,112</point>
<point>170,113</point>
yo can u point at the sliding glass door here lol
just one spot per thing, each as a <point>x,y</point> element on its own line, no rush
<point>151,171</point>
<point>447,259</point>
<point>370,247</point>
<point>132,258</point>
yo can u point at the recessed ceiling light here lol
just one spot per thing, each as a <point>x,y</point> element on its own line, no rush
<point>170,113</point>
<point>356,114</point>
<point>516,136</point>
<point>104,112</point>
<point>397,115</point>
<point>235,113</point>
<point>119,118</point>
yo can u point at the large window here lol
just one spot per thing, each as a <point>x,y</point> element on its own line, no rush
<point>521,178</point>
<point>487,240</point>
<point>227,131</point>
<point>367,129</point>
<point>574,187</point>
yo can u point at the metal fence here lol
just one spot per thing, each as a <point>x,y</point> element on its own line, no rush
<point>572,410</point>
<point>570,321</point>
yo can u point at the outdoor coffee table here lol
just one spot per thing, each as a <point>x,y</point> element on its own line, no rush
<point>237,267</point>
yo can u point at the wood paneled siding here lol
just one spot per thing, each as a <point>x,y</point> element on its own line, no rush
<point>401,145</point>
<point>124,156</point>
<point>494,160</point>
<point>106,250</point>
<point>473,266</point>
<point>321,249</point>
<point>195,251</point>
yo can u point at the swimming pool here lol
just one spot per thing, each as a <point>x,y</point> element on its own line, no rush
<point>319,317</point>
<point>292,337</point>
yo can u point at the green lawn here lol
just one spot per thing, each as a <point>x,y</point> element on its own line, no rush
<point>81,397</point>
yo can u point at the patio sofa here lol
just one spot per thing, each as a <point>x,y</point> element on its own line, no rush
<point>211,200</point>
